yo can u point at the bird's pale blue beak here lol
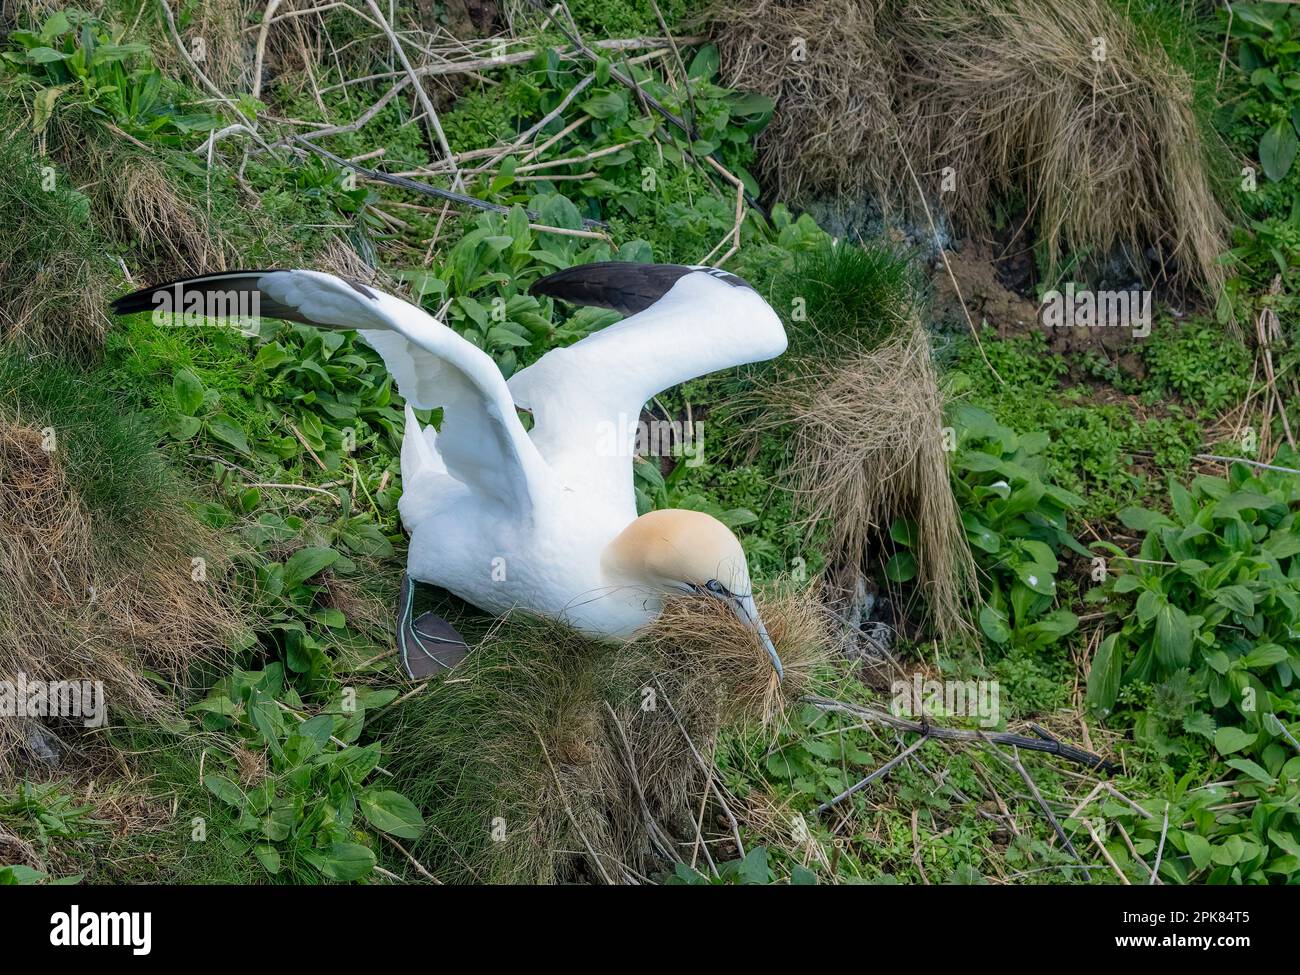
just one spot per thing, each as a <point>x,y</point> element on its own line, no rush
<point>744,607</point>
<point>747,611</point>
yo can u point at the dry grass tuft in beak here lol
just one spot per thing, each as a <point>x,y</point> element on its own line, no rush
<point>706,636</point>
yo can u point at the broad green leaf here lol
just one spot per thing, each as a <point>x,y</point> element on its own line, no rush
<point>1229,740</point>
<point>225,428</point>
<point>994,624</point>
<point>1277,150</point>
<point>187,392</point>
<point>1104,676</point>
<point>1266,655</point>
<point>603,106</point>
<point>306,562</point>
<point>267,856</point>
<point>1239,599</point>
<point>1173,638</point>
<point>901,568</point>
<point>705,64</point>
<point>392,813</point>
<point>342,861</point>
<point>753,868</point>
<point>1253,769</point>
<point>226,790</point>
<point>1143,519</point>
<point>1199,849</point>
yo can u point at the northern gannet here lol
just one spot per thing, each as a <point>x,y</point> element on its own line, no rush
<point>542,520</point>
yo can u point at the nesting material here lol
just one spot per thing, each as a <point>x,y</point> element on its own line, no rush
<point>828,65</point>
<point>69,611</point>
<point>1060,107</point>
<point>547,757</point>
<point>868,448</point>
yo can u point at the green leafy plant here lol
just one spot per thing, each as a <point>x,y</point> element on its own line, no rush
<point>1015,523</point>
<point>311,811</point>
<point>1211,613</point>
<point>75,55</point>
<point>484,282</point>
<point>1243,832</point>
<point>1268,52</point>
<point>47,814</point>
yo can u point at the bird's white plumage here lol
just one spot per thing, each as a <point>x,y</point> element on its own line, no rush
<point>585,396</point>
<point>507,518</point>
<point>481,443</point>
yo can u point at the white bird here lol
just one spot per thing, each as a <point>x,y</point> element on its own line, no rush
<point>542,520</point>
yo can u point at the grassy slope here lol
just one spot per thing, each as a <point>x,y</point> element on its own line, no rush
<point>254,408</point>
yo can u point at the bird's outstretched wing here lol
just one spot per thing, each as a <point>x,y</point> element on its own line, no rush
<point>684,322</point>
<point>481,440</point>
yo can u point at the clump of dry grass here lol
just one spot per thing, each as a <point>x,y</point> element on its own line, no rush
<point>218,26</point>
<point>55,279</point>
<point>135,202</point>
<point>834,104</point>
<point>551,758</point>
<point>1103,152</point>
<point>69,610</point>
<point>1105,146</point>
<point>866,427</point>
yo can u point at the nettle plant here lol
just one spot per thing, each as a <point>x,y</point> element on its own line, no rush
<point>1211,610</point>
<point>484,279</point>
<point>304,794</point>
<point>1015,523</point>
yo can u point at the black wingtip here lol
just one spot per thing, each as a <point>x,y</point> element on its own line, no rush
<point>144,298</point>
<point>622,286</point>
<point>141,300</point>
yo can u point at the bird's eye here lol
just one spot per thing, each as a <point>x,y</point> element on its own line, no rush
<point>717,588</point>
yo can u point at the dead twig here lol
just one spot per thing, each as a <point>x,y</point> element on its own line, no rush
<point>419,867</point>
<point>414,186</point>
<point>1015,763</point>
<point>431,119</point>
<point>1044,743</point>
<point>707,769</point>
<point>884,770</point>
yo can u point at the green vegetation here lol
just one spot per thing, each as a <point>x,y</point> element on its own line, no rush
<point>1018,526</point>
<point>281,746</point>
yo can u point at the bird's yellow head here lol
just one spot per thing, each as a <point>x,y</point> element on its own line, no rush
<point>677,551</point>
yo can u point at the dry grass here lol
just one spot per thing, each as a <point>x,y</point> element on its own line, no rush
<point>134,201</point>
<point>227,49</point>
<point>594,763</point>
<point>868,448</point>
<point>1107,153</point>
<point>55,280</point>
<point>1102,154</point>
<point>833,108</point>
<point>70,611</point>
